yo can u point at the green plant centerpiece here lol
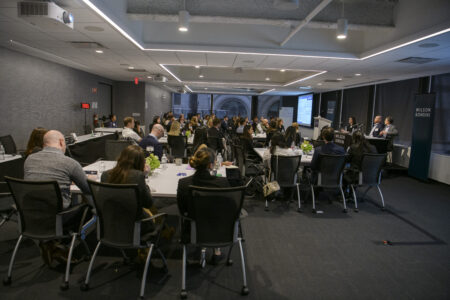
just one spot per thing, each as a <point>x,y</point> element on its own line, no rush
<point>152,161</point>
<point>188,133</point>
<point>306,147</point>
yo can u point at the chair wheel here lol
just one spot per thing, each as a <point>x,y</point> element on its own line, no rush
<point>84,287</point>
<point>183,295</point>
<point>356,210</point>
<point>344,210</point>
<point>64,286</point>
<point>244,291</point>
<point>230,262</point>
<point>299,210</point>
<point>7,281</point>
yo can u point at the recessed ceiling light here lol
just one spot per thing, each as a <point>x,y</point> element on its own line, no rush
<point>267,78</point>
<point>183,21</point>
<point>339,79</point>
<point>197,67</point>
<point>206,88</point>
<point>131,67</point>
<point>319,83</point>
<point>201,76</point>
<point>282,70</point>
<point>99,51</point>
<point>357,74</point>
<point>149,77</point>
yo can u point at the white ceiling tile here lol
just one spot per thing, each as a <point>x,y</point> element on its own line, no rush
<point>164,57</point>
<point>276,62</point>
<point>225,60</point>
<point>248,60</point>
<point>191,59</point>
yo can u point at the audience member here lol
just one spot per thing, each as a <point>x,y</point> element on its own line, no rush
<point>203,162</point>
<point>328,148</point>
<point>356,151</point>
<point>270,131</point>
<point>156,120</point>
<point>255,123</point>
<point>214,132</point>
<point>240,128</point>
<point>128,131</point>
<point>137,128</point>
<point>113,122</point>
<point>277,147</point>
<point>175,129</point>
<point>292,136</point>
<point>247,141</point>
<point>182,120</point>
<point>36,141</point>
<point>280,126</point>
<point>224,124</point>
<point>151,140</point>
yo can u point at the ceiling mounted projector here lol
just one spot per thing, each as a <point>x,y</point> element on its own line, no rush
<point>46,15</point>
<point>160,78</point>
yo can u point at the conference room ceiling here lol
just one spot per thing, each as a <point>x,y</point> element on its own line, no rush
<point>238,44</point>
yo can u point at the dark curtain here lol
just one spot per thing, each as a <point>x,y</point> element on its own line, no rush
<point>396,99</point>
<point>441,131</point>
<point>329,107</point>
<point>356,104</point>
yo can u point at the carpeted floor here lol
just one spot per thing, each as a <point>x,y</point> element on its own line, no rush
<point>289,255</point>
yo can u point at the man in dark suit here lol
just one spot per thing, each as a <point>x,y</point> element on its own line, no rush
<point>377,127</point>
<point>328,148</point>
<point>151,140</point>
<point>224,124</point>
<point>389,130</point>
<point>215,136</point>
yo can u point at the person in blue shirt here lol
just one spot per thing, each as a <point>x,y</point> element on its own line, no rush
<point>377,128</point>
<point>151,140</point>
<point>113,123</point>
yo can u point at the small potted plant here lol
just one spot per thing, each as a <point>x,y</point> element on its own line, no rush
<point>153,162</point>
<point>306,147</point>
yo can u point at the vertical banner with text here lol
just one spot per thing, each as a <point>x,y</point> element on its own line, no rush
<point>422,136</point>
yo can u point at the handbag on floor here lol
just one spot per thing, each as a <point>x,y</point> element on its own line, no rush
<point>270,188</point>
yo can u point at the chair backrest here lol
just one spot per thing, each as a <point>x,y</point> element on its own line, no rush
<point>117,210</point>
<point>215,213</point>
<point>284,169</point>
<point>330,170</point>
<point>178,145</point>
<point>371,166</point>
<point>38,202</point>
<point>113,148</point>
<point>9,144</point>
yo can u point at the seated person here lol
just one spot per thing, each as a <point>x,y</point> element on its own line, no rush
<point>113,122</point>
<point>175,129</point>
<point>262,126</point>
<point>389,130</point>
<point>131,169</point>
<point>128,132</point>
<point>247,141</point>
<point>351,126</point>
<point>356,150</point>
<point>51,164</point>
<point>137,128</point>
<point>377,127</point>
<point>280,126</point>
<point>270,131</point>
<point>328,148</point>
<point>277,147</point>
<point>156,120</point>
<point>36,141</point>
<point>152,140</point>
<point>292,136</point>
<point>203,162</point>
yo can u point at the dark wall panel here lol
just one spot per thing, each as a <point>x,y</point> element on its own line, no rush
<point>35,92</point>
<point>356,104</point>
<point>441,132</point>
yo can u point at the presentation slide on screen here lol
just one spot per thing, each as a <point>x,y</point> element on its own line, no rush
<point>304,112</point>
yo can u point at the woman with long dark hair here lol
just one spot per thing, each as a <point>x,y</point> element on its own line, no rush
<point>292,137</point>
<point>278,146</point>
<point>36,141</point>
<point>156,120</point>
<point>247,141</point>
<point>357,149</point>
<point>131,169</point>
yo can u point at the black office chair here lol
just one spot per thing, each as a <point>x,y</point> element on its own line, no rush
<point>177,146</point>
<point>329,175</point>
<point>113,148</point>
<point>7,207</point>
<point>370,175</point>
<point>8,143</point>
<point>120,225</point>
<point>41,216</point>
<point>215,224</point>
<point>248,167</point>
<point>284,170</point>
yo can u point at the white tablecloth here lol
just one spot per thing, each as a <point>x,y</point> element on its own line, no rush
<point>87,137</point>
<point>306,159</point>
<point>106,129</point>
<point>163,182</point>
<point>9,157</point>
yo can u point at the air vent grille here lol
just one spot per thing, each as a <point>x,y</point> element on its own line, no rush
<point>417,60</point>
<point>332,80</point>
<point>137,70</point>
<point>33,9</point>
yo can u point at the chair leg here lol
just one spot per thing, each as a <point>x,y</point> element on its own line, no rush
<point>382,198</point>
<point>299,209</point>
<point>266,207</point>
<point>313,199</point>
<point>354,198</point>
<point>163,258</point>
<point>183,276</point>
<point>343,200</point>
<point>229,261</point>
<point>244,276</point>
<point>240,231</point>
<point>7,280</point>
<point>85,284</point>
<point>144,275</point>
<point>65,284</point>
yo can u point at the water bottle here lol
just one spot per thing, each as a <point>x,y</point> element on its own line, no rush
<point>219,160</point>
<point>2,152</point>
<point>164,159</point>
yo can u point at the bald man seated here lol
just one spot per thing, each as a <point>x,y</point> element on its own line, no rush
<point>52,164</point>
<point>151,140</point>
